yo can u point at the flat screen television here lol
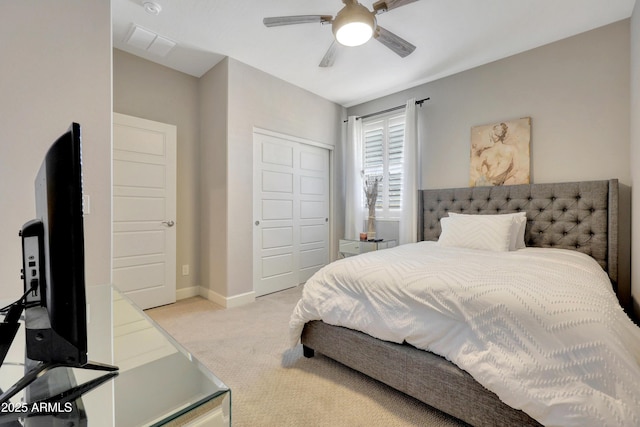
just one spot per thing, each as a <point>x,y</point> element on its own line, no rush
<point>53,267</point>
<point>56,326</point>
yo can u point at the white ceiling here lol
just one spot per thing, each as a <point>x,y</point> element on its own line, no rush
<point>450,36</point>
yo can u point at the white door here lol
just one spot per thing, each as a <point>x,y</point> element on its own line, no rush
<point>291,211</point>
<point>144,210</point>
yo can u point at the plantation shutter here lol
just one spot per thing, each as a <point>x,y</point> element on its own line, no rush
<point>394,148</point>
<point>374,155</point>
<point>383,145</point>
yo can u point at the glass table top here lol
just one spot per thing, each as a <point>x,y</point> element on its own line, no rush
<point>158,381</point>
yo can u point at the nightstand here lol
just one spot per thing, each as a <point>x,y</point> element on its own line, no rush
<point>354,247</point>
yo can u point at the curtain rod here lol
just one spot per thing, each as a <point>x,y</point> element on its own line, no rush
<point>388,110</point>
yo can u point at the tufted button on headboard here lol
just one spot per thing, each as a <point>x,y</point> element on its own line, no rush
<point>580,216</point>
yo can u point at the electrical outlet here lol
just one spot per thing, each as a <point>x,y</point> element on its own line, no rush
<point>185,270</point>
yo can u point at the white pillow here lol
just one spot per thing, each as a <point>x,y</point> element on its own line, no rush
<point>519,223</point>
<point>486,232</point>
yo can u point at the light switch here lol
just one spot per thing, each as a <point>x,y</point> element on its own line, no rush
<point>86,204</point>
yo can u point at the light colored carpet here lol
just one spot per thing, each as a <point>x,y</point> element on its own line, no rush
<point>274,385</point>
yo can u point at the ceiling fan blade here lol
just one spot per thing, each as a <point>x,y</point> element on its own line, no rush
<point>278,21</point>
<point>387,5</point>
<point>329,57</point>
<point>393,42</point>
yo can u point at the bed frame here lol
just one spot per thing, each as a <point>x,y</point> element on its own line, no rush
<point>581,216</point>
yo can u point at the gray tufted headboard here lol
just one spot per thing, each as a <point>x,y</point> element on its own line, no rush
<point>581,216</point>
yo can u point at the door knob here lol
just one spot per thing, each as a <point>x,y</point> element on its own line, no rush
<point>169,223</point>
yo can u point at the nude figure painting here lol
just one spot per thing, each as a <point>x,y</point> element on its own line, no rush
<point>500,153</point>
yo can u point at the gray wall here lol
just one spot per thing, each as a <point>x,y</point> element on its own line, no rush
<point>635,158</point>
<point>576,91</point>
<point>255,99</point>
<point>56,68</point>
<point>214,117</point>
<point>51,75</point>
<point>144,89</point>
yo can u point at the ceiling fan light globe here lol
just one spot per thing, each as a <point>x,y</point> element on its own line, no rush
<point>353,25</point>
<point>354,34</point>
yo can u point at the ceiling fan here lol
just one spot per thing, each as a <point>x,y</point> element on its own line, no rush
<point>354,25</point>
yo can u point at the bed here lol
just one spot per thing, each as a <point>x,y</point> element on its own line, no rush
<point>575,218</point>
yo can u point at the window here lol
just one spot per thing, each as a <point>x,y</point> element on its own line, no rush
<point>382,155</point>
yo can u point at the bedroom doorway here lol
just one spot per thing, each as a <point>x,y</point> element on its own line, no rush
<point>144,210</point>
<point>291,199</point>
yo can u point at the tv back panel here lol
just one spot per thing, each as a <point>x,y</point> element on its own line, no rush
<point>33,261</point>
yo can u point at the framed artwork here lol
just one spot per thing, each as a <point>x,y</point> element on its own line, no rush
<point>500,153</point>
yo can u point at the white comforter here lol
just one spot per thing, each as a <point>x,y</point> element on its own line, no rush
<point>541,328</point>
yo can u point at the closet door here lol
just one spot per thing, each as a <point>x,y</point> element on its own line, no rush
<point>291,211</point>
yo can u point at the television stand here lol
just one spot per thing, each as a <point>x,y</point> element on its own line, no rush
<point>66,399</point>
<point>8,332</point>
<point>9,328</point>
<point>182,388</point>
<point>42,367</point>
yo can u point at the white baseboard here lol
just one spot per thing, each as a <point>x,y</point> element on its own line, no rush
<point>228,302</point>
<point>183,293</point>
